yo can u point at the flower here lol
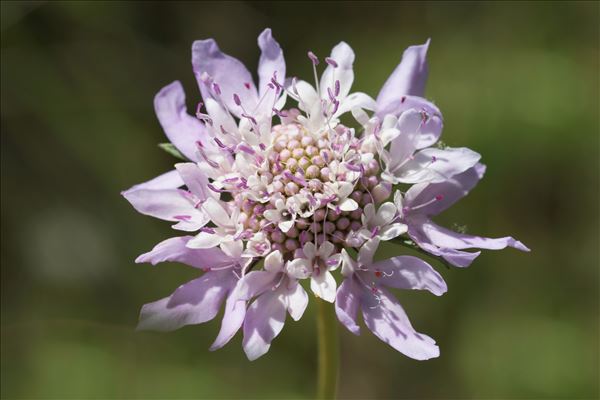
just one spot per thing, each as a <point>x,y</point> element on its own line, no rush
<point>273,195</point>
<point>365,285</point>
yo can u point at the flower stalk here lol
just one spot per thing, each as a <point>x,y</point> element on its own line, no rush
<point>328,344</point>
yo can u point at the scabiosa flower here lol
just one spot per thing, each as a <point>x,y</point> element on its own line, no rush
<point>273,196</point>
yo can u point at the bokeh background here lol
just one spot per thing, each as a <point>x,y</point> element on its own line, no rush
<point>517,82</point>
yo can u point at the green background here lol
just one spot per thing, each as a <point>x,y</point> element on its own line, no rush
<point>517,82</point>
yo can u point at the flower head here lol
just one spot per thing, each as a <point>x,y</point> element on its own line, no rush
<point>272,195</point>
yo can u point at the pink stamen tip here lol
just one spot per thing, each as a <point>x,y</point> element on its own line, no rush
<point>403,99</point>
<point>439,197</point>
<point>206,229</point>
<point>353,167</point>
<point>433,158</point>
<point>183,217</point>
<point>199,108</point>
<point>251,118</point>
<point>246,149</point>
<point>374,231</point>
<point>219,143</point>
<point>313,58</point>
<point>247,85</point>
<point>336,105</point>
<point>331,95</point>
<point>214,189</point>
<point>199,144</point>
<point>270,86</point>
<point>331,62</point>
<point>217,88</point>
<point>236,99</point>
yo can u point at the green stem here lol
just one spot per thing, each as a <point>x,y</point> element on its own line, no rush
<point>328,351</point>
<point>413,246</point>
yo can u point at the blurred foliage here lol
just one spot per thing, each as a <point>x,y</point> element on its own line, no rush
<point>517,82</point>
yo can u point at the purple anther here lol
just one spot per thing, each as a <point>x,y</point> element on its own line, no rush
<point>219,143</point>
<point>246,149</point>
<point>262,146</point>
<point>313,58</point>
<point>251,118</point>
<point>214,189</point>
<point>236,99</point>
<point>331,95</point>
<point>206,229</point>
<point>337,87</point>
<point>332,262</point>
<point>374,231</point>
<point>331,62</point>
<point>182,217</point>
<point>247,85</point>
<point>217,88</point>
<point>336,105</point>
<point>353,167</point>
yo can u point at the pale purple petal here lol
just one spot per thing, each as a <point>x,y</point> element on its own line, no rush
<point>436,165</point>
<point>323,286</point>
<point>440,196</point>
<point>432,122</point>
<point>271,62</point>
<point>194,179</point>
<point>192,303</point>
<point>235,311</point>
<point>408,272</point>
<point>175,250</point>
<point>168,205</point>
<point>384,316</point>
<point>205,240</point>
<point>296,299</point>
<point>168,180</point>
<point>182,129</point>
<point>346,304</point>
<point>264,321</point>
<point>343,55</point>
<point>355,100</point>
<point>255,283</point>
<point>229,73</point>
<point>443,237</point>
<point>409,77</point>
<point>457,258</point>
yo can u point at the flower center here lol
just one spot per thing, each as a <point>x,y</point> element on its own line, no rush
<point>302,180</point>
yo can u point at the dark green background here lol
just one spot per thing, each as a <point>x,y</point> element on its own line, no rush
<point>517,82</point>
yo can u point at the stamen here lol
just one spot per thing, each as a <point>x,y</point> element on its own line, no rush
<point>236,99</point>
<point>206,229</point>
<point>313,58</point>
<point>214,189</point>
<point>246,149</point>
<point>331,62</point>
<point>217,88</point>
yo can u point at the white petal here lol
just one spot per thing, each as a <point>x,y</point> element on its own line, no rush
<point>324,286</point>
<point>205,240</point>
